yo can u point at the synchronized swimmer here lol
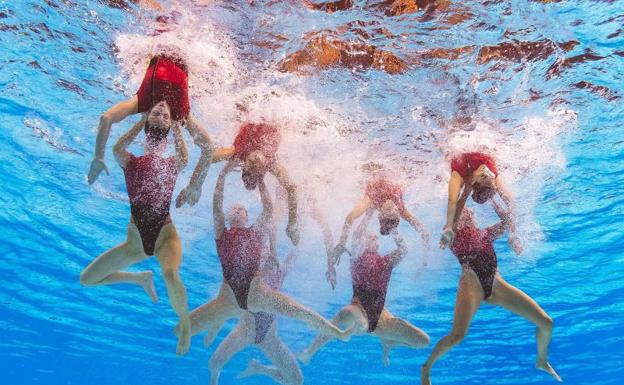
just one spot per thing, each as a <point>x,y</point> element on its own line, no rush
<point>252,273</point>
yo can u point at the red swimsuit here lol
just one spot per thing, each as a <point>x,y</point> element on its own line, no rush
<point>240,252</point>
<point>474,248</point>
<point>253,137</point>
<point>150,180</point>
<point>166,79</point>
<point>381,190</point>
<point>466,163</point>
<point>370,276</point>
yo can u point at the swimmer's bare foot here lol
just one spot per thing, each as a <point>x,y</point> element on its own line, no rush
<point>424,375</point>
<point>545,366</point>
<point>183,331</point>
<point>387,347</point>
<point>146,280</point>
<point>385,358</point>
<point>304,356</point>
<point>252,369</point>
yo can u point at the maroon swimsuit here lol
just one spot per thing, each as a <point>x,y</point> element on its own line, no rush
<point>474,248</point>
<point>240,252</point>
<point>150,180</point>
<point>370,276</point>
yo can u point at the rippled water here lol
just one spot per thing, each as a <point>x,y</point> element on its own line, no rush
<point>548,104</point>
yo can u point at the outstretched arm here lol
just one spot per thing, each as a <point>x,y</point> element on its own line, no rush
<point>397,255</point>
<point>454,188</point>
<point>115,114</point>
<point>265,222</point>
<point>507,197</point>
<point>192,192</point>
<point>217,201</point>
<point>221,154</point>
<point>181,152</point>
<point>455,207</point>
<point>281,174</point>
<point>416,224</point>
<point>355,213</point>
<point>497,230</point>
<point>120,149</point>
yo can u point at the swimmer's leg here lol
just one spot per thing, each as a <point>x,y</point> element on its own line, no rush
<point>469,296</point>
<point>169,254</point>
<point>286,370</point>
<point>394,331</point>
<point>106,269</point>
<point>263,298</point>
<point>212,315</point>
<point>237,340</point>
<point>518,302</point>
<point>349,316</point>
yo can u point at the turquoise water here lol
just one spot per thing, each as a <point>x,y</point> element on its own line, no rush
<point>554,120</point>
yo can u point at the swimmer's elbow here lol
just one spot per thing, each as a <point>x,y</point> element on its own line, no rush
<point>106,120</point>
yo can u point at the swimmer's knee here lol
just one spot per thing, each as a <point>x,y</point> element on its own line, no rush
<point>547,323</point>
<point>457,337</point>
<point>106,118</point>
<point>86,279</point>
<point>170,274</point>
<point>426,340</point>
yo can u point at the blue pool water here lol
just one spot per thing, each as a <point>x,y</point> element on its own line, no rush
<point>553,118</point>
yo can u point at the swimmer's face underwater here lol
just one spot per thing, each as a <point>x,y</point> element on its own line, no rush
<point>159,117</point>
<point>389,217</point>
<point>254,169</point>
<point>372,242</point>
<point>483,184</point>
<point>157,128</point>
<point>237,216</point>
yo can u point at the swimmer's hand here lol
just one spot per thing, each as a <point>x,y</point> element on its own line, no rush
<point>425,237</point>
<point>331,276</point>
<point>292,230</point>
<point>448,235</point>
<point>515,244</point>
<point>97,166</point>
<point>190,194</point>
<point>338,251</point>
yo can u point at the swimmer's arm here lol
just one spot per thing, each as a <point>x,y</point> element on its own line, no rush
<point>181,151</point>
<point>507,197</point>
<point>115,114</point>
<point>265,222</point>
<point>397,255</point>
<point>362,206</point>
<point>202,140</point>
<point>497,230</point>
<point>120,149</point>
<point>414,222</point>
<point>217,203</point>
<point>153,4</point>
<point>359,234</point>
<point>282,177</point>
<point>221,154</point>
<point>454,188</point>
